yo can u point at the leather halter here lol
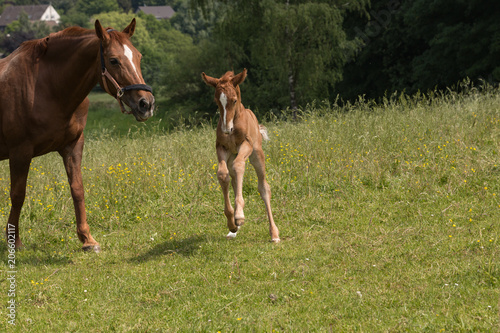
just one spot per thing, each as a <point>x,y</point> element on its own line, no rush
<point>119,90</point>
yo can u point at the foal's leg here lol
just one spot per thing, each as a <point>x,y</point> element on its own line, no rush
<point>258,161</point>
<point>72,158</point>
<point>223,177</point>
<point>238,169</point>
<point>19,168</point>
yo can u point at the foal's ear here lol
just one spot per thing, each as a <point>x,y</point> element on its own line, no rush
<point>101,33</point>
<point>236,80</point>
<point>211,81</point>
<point>129,30</point>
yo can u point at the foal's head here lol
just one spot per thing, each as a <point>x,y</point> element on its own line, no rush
<point>122,62</point>
<point>227,96</point>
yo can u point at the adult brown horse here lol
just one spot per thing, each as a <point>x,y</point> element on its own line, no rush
<point>43,105</point>
<point>239,137</point>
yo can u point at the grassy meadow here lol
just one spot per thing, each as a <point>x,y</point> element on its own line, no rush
<point>388,214</point>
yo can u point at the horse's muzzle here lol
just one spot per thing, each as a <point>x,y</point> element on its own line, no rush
<point>144,108</point>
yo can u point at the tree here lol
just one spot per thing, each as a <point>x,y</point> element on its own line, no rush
<point>294,50</point>
<point>423,44</point>
<point>125,5</point>
<point>74,18</point>
<point>92,7</point>
<point>22,30</point>
<point>302,48</point>
<point>193,22</point>
<point>137,3</point>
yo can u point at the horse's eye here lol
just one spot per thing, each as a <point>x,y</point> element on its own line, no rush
<point>235,101</point>
<point>113,61</point>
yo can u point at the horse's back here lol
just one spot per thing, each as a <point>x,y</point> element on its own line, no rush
<point>22,124</point>
<point>16,95</point>
<point>17,77</point>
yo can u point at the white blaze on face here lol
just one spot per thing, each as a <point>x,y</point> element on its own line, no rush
<point>223,102</point>
<point>129,54</point>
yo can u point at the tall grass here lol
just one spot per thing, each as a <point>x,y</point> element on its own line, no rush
<point>388,215</point>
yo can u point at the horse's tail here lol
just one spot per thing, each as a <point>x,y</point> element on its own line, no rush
<point>263,132</point>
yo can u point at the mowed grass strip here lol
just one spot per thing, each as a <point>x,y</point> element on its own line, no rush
<point>388,213</point>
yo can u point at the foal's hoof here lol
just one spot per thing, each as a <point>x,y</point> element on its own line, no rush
<point>231,235</point>
<point>89,248</point>
<point>275,240</point>
<point>239,222</point>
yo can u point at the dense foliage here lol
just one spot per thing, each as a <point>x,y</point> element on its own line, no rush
<point>422,44</point>
<point>296,51</point>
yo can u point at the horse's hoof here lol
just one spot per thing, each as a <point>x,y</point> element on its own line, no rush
<point>89,248</point>
<point>239,222</point>
<point>276,240</point>
<point>19,246</point>
<point>231,235</point>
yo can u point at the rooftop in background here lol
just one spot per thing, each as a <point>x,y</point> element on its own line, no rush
<point>35,13</point>
<point>160,12</point>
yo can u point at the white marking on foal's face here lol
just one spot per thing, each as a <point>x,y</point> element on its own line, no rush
<point>226,128</point>
<point>223,100</point>
<point>129,54</point>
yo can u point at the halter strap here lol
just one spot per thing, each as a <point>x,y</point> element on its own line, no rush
<point>119,90</point>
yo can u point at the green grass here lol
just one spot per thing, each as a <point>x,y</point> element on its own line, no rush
<point>105,117</point>
<point>388,213</point>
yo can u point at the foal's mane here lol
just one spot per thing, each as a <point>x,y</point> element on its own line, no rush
<point>226,77</point>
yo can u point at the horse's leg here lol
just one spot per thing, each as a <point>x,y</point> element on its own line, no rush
<point>257,159</point>
<point>238,168</point>
<point>72,158</point>
<point>223,177</point>
<point>19,167</point>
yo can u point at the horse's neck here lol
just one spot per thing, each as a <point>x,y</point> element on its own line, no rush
<point>71,64</point>
<point>239,113</point>
<point>240,110</point>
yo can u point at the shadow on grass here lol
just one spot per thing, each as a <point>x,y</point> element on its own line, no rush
<point>185,247</point>
<point>36,257</point>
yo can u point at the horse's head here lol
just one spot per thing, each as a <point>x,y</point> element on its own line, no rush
<point>121,71</point>
<point>227,96</point>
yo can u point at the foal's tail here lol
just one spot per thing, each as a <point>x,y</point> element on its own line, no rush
<point>263,132</point>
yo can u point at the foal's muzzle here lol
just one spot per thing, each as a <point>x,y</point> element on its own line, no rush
<point>227,128</point>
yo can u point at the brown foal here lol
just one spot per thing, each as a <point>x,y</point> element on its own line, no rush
<point>239,137</point>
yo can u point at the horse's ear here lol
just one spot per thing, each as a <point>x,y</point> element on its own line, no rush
<point>129,30</point>
<point>236,80</point>
<point>100,32</point>
<point>211,81</point>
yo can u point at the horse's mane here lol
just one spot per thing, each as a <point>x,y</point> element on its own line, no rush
<point>71,32</point>
<point>36,48</point>
<point>31,49</point>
